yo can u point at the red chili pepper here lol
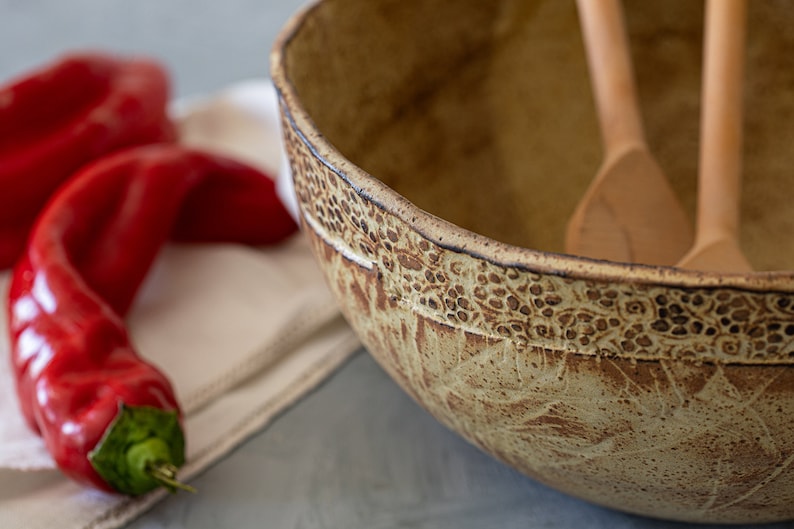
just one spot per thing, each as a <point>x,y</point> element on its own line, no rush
<point>63,115</point>
<point>108,417</point>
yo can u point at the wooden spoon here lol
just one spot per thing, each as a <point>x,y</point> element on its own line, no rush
<point>629,213</point>
<point>716,245</point>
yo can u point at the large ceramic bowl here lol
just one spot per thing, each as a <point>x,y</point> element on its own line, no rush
<point>438,148</point>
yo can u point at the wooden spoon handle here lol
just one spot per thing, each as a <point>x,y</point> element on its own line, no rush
<point>721,121</point>
<point>611,73</point>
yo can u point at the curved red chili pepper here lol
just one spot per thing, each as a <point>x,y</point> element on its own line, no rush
<point>88,253</point>
<point>63,115</point>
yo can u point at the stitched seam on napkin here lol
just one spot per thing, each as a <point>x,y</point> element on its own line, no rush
<point>310,320</point>
<point>300,387</point>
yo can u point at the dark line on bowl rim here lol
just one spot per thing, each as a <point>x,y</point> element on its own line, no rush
<point>664,276</point>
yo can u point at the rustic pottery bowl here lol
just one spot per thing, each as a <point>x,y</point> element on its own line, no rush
<point>438,148</point>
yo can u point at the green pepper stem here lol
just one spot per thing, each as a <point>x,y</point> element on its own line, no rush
<point>141,450</point>
<point>165,474</point>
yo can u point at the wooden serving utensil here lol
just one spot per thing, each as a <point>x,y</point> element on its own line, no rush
<point>629,213</point>
<point>716,245</point>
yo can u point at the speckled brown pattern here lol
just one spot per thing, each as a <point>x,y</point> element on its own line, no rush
<point>588,317</point>
<point>656,391</point>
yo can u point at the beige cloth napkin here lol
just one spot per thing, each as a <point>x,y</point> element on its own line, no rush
<point>242,333</point>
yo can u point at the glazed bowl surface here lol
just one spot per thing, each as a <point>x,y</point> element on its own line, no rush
<point>438,148</point>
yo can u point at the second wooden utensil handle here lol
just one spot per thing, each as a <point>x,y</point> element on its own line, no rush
<point>721,119</point>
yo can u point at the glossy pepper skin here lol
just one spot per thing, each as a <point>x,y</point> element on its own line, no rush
<point>89,251</point>
<point>63,115</point>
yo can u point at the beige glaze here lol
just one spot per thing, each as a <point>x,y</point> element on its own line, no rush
<point>425,189</point>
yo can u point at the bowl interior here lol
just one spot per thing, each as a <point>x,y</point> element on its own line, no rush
<point>481,113</point>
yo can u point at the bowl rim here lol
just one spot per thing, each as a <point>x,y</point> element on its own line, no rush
<point>450,236</point>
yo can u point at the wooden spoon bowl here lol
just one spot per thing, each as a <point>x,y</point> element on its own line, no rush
<point>629,213</point>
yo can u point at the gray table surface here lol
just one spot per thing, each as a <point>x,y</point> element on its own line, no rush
<point>357,452</point>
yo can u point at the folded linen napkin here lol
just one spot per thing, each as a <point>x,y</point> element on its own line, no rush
<point>241,332</point>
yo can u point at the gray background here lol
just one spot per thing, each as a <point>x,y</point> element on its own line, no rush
<point>205,44</point>
<point>356,453</point>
